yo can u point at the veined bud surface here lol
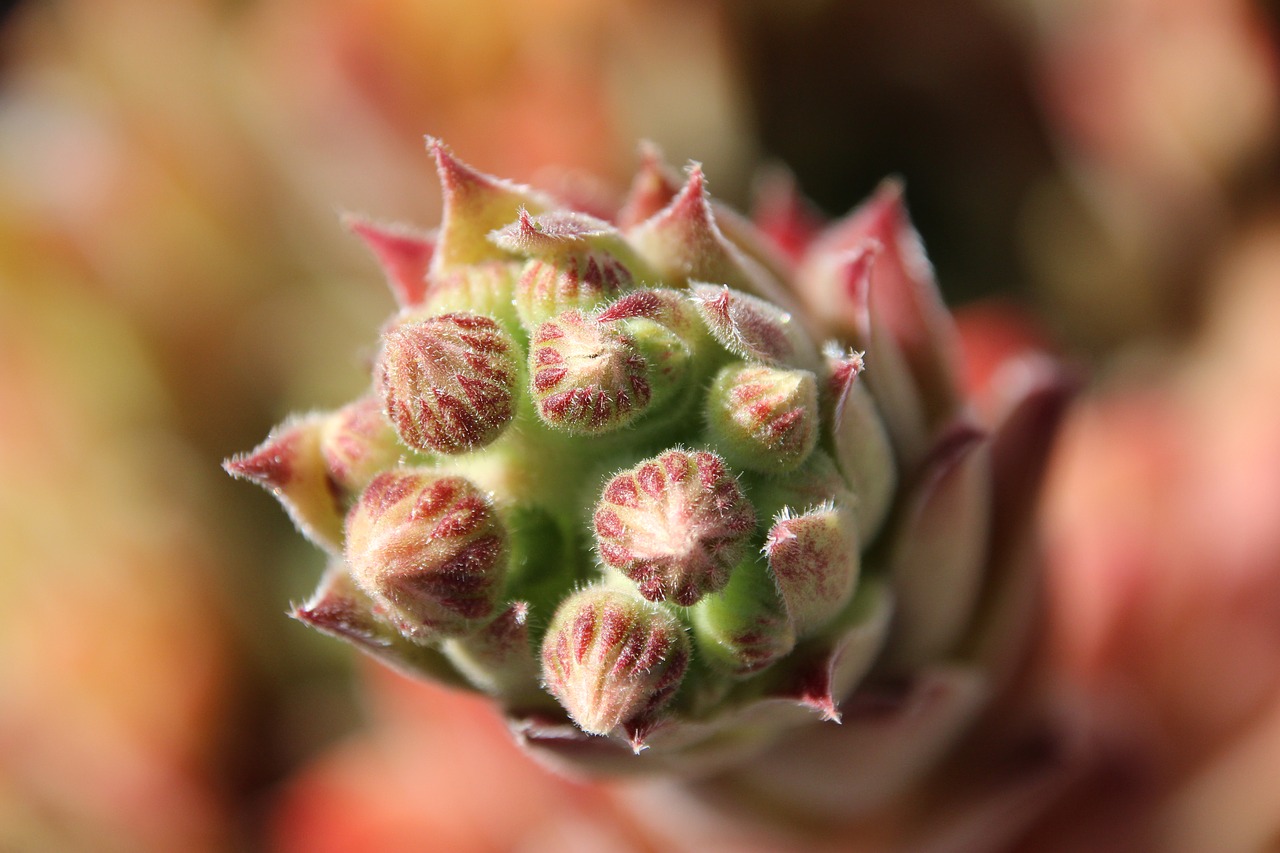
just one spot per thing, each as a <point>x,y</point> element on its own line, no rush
<point>430,549</point>
<point>675,524</point>
<point>448,382</point>
<point>587,376</point>
<point>752,328</point>
<point>814,557</point>
<point>575,261</point>
<point>763,418</point>
<point>610,658</point>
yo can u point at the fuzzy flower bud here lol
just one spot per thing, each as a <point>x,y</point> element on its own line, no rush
<point>430,549</point>
<point>763,418</point>
<point>814,557</point>
<point>752,328</point>
<point>610,658</point>
<point>676,524</point>
<point>448,382</point>
<point>587,376</point>
<point>575,261</point>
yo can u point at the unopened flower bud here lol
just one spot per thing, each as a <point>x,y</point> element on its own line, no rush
<point>763,418</point>
<point>587,376</point>
<point>430,549</point>
<point>814,556</point>
<point>448,382</point>
<point>675,524</point>
<point>745,627</point>
<point>610,658</point>
<point>754,329</point>
<point>575,261</point>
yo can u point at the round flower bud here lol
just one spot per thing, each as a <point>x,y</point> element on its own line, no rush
<point>676,524</point>
<point>815,560</point>
<point>588,377</point>
<point>610,658</point>
<point>447,382</point>
<point>429,549</point>
<point>575,261</point>
<point>763,418</point>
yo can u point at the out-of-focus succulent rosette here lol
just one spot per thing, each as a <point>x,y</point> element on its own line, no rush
<point>671,496</point>
<point>1165,117</point>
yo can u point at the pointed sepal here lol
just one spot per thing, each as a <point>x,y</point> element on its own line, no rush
<point>474,205</point>
<point>683,243</point>
<point>340,609</point>
<point>290,465</point>
<point>860,441</point>
<point>404,253</point>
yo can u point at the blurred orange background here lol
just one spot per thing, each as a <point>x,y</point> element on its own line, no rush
<point>174,280</point>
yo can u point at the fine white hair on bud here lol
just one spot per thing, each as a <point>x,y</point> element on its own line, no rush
<point>587,376</point>
<point>429,549</point>
<point>610,658</point>
<point>763,418</point>
<point>448,382</point>
<point>675,524</point>
<point>605,474</point>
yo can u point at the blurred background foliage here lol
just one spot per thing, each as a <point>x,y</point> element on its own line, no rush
<point>174,280</point>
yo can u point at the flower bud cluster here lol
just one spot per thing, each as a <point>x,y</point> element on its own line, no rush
<point>647,480</point>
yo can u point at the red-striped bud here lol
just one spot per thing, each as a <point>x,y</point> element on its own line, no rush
<point>448,382</point>
<point>763,418</point>
<point>610,658</point>
<point>587,376</point>
<point>430,549</point>
<point>676,524</point>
